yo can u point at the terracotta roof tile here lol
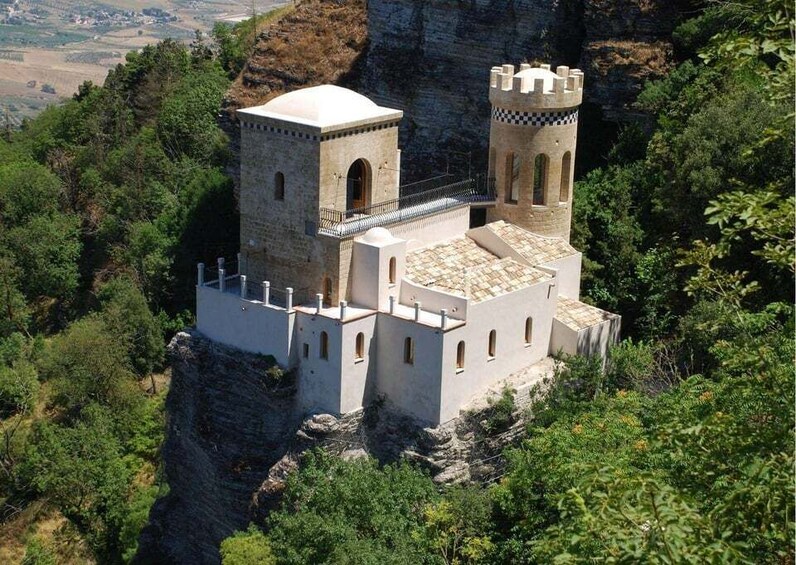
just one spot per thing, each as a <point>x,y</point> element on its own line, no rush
<point>577,315</point>
<point>460,266</point>
<point>535,248</point>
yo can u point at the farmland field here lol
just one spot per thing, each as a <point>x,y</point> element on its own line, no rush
<point>49,47</point>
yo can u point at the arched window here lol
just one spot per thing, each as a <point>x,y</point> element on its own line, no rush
<point>324,345</point>
<point>539,179</point>
<point>391,270</point>
<point>460,356</point>
<point>279,186</point>
<point>359,351</point>
<point>327,291</point>
<point>358,185</point>
<point>529,330</point>
<point>492,343</point>
<point>409,351</point>
<point>512,178</point>
<point>566,166</point>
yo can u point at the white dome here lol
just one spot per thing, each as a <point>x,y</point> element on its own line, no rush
<point>378,236</point>
<point>536,72</point>
<point>324,105</point>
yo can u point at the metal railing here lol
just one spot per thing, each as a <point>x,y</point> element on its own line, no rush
<point>418,199</point>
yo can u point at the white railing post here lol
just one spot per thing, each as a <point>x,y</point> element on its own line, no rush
<point>392,304</point>
<point>220,262</point>
<point>443,318</point>
<point>343,306</point>
<point>318,303</point>
<point>266,292</point>
<point>417,311</point>
<point>243,286</point>
<point>222,283</point>
<point>200,274</point>
<point>289,299</point>
<point>240,263</point>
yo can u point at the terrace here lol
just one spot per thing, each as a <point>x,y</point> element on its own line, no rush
<point>420,199</point>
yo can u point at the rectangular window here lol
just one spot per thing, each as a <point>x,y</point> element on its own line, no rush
<point>306,350</point>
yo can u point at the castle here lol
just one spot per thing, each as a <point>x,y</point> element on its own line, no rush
<point>366,287</point>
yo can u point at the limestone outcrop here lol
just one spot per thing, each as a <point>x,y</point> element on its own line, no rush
<point>234,433</point>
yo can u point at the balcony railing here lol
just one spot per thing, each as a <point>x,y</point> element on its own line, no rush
<point>418,199</point>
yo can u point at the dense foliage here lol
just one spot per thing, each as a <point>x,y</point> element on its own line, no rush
<point>106,203</point>
<point>681,450</point>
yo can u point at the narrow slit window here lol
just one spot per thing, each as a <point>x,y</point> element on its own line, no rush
<point>279,186</point>
<point>515,180</point>
<point>392,270</point>
<point>360,346</point>
<point>460,356</point>
<point>306,350</point>
<point>539,179</point>
<point>409,351</point>
<point>324,345</point>
<point>327,291</point>
<point>492,343</point>
<point>566,166</point>
<point>529,330</point>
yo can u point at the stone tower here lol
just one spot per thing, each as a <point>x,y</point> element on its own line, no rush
<point>533,133</point>
<point>312,151</point>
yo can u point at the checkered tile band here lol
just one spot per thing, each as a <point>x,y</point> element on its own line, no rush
<point>536,119</point>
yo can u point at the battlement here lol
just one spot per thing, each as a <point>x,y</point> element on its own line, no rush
<point>535,87</point>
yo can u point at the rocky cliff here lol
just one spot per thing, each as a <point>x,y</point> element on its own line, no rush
<point>431,58</point>
<point>234,433</point>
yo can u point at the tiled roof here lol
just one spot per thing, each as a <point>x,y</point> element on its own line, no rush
<point>577,315</point>
<point>459,266</point>
<point>535,248</point>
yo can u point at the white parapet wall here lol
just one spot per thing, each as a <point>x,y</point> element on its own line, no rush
<point>245,324</point>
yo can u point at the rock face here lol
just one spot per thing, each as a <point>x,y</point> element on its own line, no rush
<point>431,58</point>
<point>234,433</point>
<point>226,426</point>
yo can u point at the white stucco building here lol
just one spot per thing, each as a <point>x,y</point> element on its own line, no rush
<point>368,288</point>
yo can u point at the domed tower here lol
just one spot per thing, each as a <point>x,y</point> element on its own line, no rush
<point>533,133</point>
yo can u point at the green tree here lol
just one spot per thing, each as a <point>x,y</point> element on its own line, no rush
<point>27,189</point>
<point>47,249</point>
<point>14,310</point>
<point>88,363</point>
<point>127,316</point>
<point>247,548</point>
<point>81,471</point>
<point>350,512</point>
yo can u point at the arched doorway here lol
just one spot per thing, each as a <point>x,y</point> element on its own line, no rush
<point>358,185</point>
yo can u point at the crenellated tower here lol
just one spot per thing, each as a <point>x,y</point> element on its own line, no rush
<point>532,139</point>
